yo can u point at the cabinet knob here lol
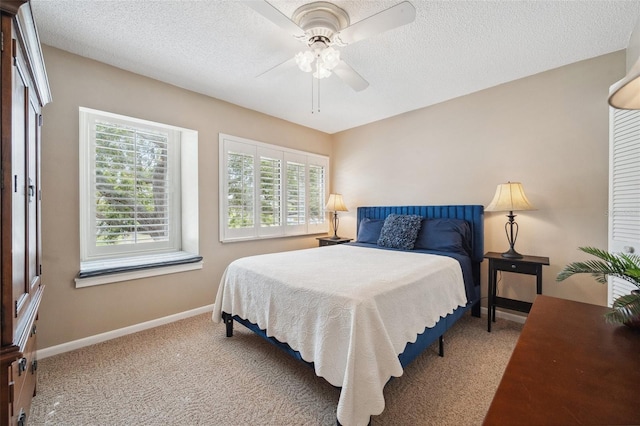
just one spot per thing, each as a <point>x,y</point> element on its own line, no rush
<point>628,249</point>
<point>22,366</point>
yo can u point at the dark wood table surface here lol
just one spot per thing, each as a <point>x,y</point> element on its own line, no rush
<point>570,367</point>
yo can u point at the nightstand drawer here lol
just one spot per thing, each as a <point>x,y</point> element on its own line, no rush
<point>518,267</point>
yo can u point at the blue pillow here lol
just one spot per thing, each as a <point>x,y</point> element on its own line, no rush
<point>369,230</point>
<point>399,231</point>
<point>444,235</point>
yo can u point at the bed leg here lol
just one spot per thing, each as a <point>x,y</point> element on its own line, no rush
<point>441,346</point>
<point>228,321</point>
<point>475,310</point>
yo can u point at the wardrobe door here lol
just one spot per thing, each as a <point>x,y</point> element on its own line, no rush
<point>33,197</point>
<point>20,187</point>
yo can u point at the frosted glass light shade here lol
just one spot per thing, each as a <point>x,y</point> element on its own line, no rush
<point>335,204</point>
<point>304,60</point>
<point>509,197</point>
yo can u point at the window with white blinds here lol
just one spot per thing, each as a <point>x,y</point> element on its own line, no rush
<point>317,189</point>
<point>624,190</point>
<point>269,191</point>
<point>131,188</point>
<point>132,180</point>
<point>296,194</point>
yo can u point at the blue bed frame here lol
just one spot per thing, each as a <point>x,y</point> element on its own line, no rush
<point>473,214</point>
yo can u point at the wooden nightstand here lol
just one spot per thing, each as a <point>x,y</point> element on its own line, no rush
<point>531,265</point>
<point>328,241</point>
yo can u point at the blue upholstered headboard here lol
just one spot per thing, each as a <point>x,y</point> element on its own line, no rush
<point>474,214</point>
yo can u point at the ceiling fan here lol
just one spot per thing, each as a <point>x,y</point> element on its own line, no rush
<point>322,25</point>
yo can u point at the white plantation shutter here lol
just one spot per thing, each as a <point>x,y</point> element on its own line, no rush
<point>296,193</point>
<point>239,179</point>
<point>270,191</point>
<point>241,190</point>
<point>132,174</point>
<point>624,190</point>
<point>317,190</point>
<point>131,185</point>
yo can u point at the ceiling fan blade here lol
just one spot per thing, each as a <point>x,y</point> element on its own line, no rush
<point>274,15</point>
<point>350,76</point>
<point>394,17</point>
<point>289,63</point>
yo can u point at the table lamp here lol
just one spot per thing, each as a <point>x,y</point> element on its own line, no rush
<point>335,204</point>
<point>510,197</point>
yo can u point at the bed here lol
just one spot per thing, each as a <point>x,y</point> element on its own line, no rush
<point>358,313</point>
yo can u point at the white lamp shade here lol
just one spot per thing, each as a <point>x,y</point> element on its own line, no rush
<point>625,94</point>
<point>509,197</point>
<point>335,204</point>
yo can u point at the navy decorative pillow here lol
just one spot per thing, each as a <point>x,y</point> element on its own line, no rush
<point>444,235</point>
<point>399,231</point>
<point>369,230</point>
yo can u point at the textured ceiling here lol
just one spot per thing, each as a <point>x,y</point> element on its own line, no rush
<point>453,48</point>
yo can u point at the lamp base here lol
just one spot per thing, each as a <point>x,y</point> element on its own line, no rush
<point>334,237</point>
<point>512,254</point>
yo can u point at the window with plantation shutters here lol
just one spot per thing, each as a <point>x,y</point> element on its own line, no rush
<point>241,190</point>
<point>269,191</point>
<point>132,200</point>
<point>624,191</point>
<point>296,193</point>
<point>317,191</point>
<point>133,192</point>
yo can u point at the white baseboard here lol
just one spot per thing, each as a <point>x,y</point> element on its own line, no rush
<point>98,338</point>
<point>505,315</point>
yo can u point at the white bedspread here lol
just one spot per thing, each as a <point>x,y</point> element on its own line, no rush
<point>350,310</point>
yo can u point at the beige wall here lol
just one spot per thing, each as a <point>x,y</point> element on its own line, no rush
<point>548,131</point>
<point>68,313</point>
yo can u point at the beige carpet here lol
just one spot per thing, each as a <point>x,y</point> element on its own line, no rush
<point>188,373</point>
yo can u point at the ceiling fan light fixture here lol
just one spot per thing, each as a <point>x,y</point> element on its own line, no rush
<point>325,59</point>
<point>330,58</point>
<point>304,60</point>
<point>322,24</point>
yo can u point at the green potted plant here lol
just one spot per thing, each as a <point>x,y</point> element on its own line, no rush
<point>625,309</point>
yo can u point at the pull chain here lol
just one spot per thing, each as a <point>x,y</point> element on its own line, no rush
<point>318,96</point>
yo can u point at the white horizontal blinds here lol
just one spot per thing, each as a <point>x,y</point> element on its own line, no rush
<point>624,192</point>
<point>317,189</point>
<point>296,193</point>
<point>132,187</point>
<point>241,188</point>
<point>270,192</point>
<point>240,168</point>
